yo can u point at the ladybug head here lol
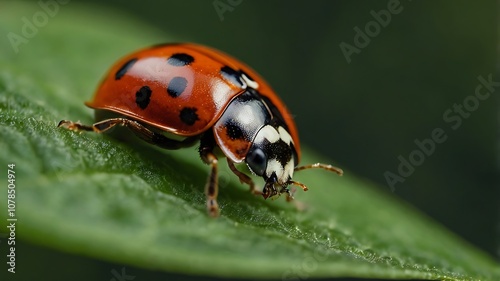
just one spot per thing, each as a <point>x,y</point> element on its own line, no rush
<point>273,157</point>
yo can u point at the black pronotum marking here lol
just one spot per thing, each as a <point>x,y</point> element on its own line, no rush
<point>180,59</point>
<point>142,97</point>
<point>119,74</point>
<point>234,131</point>
<point>236,124</point>
<point>188,115</point>
<point>176,86</point>
<point>232,76</point>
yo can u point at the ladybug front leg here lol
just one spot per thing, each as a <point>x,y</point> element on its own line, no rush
<point>243,178</point>
<point>207,145</point>
<point>137,128</point>
<point>212,186</point>
<point>105,125</point>
<point>74,126</point>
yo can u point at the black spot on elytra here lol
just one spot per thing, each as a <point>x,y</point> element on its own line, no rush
<point>176,86</point>
<point>232,76</point>
<point>180,59</point>
<point>188,115</point>
<point>142,97</point>
<point>234,131</point>
<point>119,74</point>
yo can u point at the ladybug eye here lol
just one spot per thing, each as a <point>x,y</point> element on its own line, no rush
<point>257,161</point>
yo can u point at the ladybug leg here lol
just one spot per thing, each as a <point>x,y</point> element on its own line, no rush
<point>212,187</point>
<point>74,126</point>
<point>207,145</point>
<point>289,194</point>
<point>137,128</point>
<point>300,206</point>
<point>243,178</point>
<point>100,127</point>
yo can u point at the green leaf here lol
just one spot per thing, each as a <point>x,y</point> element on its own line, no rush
<point>129,202</point>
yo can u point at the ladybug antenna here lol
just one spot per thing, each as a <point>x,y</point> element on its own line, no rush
<point>321,166</point>
<point>311,166</point>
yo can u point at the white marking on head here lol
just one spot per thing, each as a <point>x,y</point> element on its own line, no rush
<point>249,82</point>
<point>284,135</point>
<point>283,174</point>
<point>289,168</point>
<point>267,133</point>
<point>274,165</point>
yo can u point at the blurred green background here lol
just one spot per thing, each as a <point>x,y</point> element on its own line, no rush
<point>365,113</point>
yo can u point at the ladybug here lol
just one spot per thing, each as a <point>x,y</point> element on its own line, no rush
<point>177,95</point>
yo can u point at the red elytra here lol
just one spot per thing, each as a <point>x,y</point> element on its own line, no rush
<point>202,94</point>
